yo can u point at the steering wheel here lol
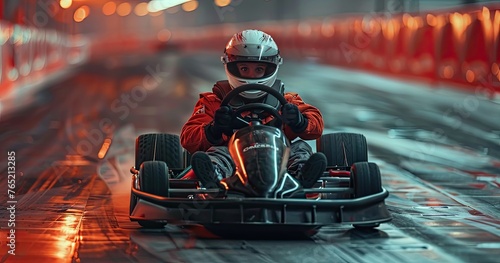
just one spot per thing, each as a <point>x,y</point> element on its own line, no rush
<point>256,106</point>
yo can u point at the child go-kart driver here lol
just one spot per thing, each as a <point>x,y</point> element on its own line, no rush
<point>251,56</point>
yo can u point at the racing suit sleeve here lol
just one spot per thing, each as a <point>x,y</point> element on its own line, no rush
<point>313,116</point>
<point>193,135</point>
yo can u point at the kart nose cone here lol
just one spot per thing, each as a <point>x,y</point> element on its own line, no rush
<point>260,154</point>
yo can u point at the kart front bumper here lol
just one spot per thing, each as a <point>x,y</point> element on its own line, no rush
<point>369,210</point>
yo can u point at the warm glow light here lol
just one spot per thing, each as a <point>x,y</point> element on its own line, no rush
<point>467,19</point>
<point>485,14</point>
<point>104,148</point>
<point>222,3</point>
<point>64,247</point>
<point>190,6</point>
<point>81,13</point>
<point>5,33</point>
<point>391,28</point>
<point>495,69</point>
<point>470,76</point>
<point>460,23</point>
<point>224,184</point>
<point>371,26</point>
<point>485,17</point>
<point>124,9</point>
<point>496,25</point>
<point>68,231</point>
<point>405,19</point>
<point>448,72</point>
<point>419,21</point>
<point>412,22</point>
<point>65,3</point>
<point>141,9</point>
<point>243,174</point>
<point>109,8</point>
<point>164,35</point>
<point>69,227</point>
<point>431,20</point>
<point>327,29</point>
<point>441,20</point>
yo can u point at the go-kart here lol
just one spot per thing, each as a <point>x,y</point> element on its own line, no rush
<point>260,194</point>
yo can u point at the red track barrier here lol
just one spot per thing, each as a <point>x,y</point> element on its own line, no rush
<point>458,46</point>
<point>478,56</point>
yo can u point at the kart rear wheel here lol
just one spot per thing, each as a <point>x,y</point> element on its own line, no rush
<point>159,147</point>
<point>365,179</point>
<point>343,149</point>
<point>154,179</point>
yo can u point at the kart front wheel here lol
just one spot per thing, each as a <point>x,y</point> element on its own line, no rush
<point>153,179</point>
<point>365,179</point>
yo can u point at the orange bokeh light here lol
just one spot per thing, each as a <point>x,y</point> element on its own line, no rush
<point>222,3</point>
<point>448,72</point>
<point>81,13</point>
<point>109,8</point>
<point>470,76</point>
<point>495,69</point>
<point>190,6</point>
<point>124,9</point>
<point>65,3</point>
<point>141,9</point>
<point>431,20</point>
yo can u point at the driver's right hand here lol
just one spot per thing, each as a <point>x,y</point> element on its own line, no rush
<point>223,122</point>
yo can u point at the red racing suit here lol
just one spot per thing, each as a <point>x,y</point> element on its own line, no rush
<point>193,137</point>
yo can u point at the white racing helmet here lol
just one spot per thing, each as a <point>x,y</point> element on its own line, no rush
<point>251,46</point>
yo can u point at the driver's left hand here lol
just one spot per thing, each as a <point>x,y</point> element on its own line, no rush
<point>293,117</point>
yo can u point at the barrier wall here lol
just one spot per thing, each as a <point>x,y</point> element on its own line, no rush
<point>29,55</point>
<point>457,47</point>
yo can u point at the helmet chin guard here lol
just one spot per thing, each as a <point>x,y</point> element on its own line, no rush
<point>252,46</point>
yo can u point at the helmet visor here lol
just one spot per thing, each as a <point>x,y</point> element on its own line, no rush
<point>251,69</point>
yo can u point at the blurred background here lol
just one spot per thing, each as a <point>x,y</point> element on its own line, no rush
<point>449,40</point>
<point>81,79</point>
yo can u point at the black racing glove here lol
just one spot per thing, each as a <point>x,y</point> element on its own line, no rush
<point>294,118</point>
<point>221,124</point>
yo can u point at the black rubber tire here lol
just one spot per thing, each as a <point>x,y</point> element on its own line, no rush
<point>365,179</point>
<point>153,179</point>
<point>159,147</point>
<point>338,147</point>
